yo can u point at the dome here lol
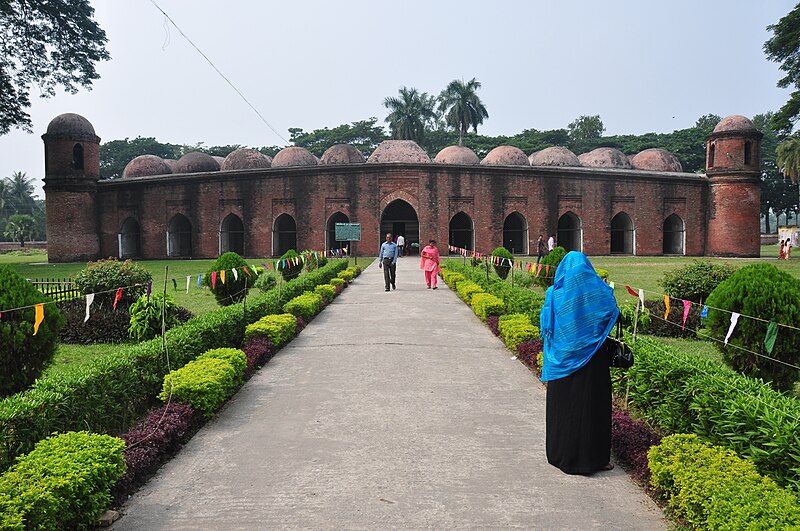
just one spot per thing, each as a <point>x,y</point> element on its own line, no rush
<point>70,124</point>
<point>342,154</point>
<point>554,156</point>
<point>244,159</point>
<point>656,160</point>
<point>457,155</point>
<point>172,163</point>
<point>735,122</point>
<point>605,157</point>
<point>145,165</point>
<point>196,162</point>
<point>219,160</point>
<point>530,157</point>
<point>399,151</point>
<point>294,156</point>
<point>506,156</point>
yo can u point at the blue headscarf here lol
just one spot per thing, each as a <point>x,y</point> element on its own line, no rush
<point>579,312</point>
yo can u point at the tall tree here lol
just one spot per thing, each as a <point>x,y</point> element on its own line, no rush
<point>784,48</point>
<point>787,157</point>
<point>19,194</point>
<point>410,114</point>
<point>462,107</point>
<point>20,227</point>
<point>585,128</point>
<point>47,44</point>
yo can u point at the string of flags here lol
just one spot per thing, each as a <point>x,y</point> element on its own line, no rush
<point>522,265</point>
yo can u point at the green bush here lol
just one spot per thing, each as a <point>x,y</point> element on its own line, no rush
<point>451,278</point>
<point>306,305</point>
<point>64,483</point>
<point>696,281</point>
<point>23,356</point>
<point>713,488</point>
<point>205,384</point>
<point>146,316</point>
<point>348,275</point>
<point>266,281</point>
<point>486,304</point>
<point>233,290</point>
<point>336,282</point>
<point>104,277</point>
<point>627,312</point>
<point>278,328</point>
<point>234,356</point>
<point>328,291</point>
<point>515,329</point>
<point>602,273</point>
<point>763,291</point>
<point>503,268</point>
<point>292,267</point>
<point>552,259</point>
<point>314,260</point>
<point>467,289</point>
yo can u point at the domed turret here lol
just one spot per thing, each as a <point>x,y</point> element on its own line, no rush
<point>554,156</point>
<point>399,151</point>
<point>457,155</point>
<point>735,122</point>
<point>605,157</point>
<point>506,156</point>
<point>146,165</point>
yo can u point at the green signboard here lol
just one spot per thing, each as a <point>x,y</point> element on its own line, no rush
<point>348,232</point>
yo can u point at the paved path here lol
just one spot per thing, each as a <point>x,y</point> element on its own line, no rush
<point>390,410</point>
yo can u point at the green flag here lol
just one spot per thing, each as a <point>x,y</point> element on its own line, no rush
<point>772,334</point>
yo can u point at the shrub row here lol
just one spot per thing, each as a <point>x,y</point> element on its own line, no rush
<point>516,328</point>
<point>115,389</point>
<point>515,298</point>
<point>278,328</point>
<point>305,305</point>
<point>485,304</point>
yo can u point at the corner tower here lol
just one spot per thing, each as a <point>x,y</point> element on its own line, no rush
<point>72,169</point>
<point>733,167</point>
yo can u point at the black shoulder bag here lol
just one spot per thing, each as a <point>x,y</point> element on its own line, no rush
<point>619,353</point>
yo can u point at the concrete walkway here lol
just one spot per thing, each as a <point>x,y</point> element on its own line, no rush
<point>390,410</point>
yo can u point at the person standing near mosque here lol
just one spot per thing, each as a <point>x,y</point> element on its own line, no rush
<point>429,263</point>
<point>401,244</point>
<point>387,260</point>
<point>540,249</point>
<point>551,243</point>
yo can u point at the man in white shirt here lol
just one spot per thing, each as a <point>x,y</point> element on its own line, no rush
<point>401,242</point>
<point>551,243</point>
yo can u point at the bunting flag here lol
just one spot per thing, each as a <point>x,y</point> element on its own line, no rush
<point>734,320</point>
<point>611,285</point>
<point>686,306</point>
<point>188,280</point>
<point>772,335</point>
<point>222,276</point>
<point>247,271</point>
<point>641,296</point>
<point>149,290</point>
<point>213,280</point>
<point>666,305</point>
<point>39,317</point>
<point>199,280</point>
<point>235,275</point>
<point>264,265</point>
<point>174,284</point>
<point>704,312</point>
<point>547,270</point>
<point>118,297</point>
<point>630,290</point>
<point>538,269</point>
<point>89,301</point>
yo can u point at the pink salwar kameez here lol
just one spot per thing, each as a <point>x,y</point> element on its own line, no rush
<point>429,263</point>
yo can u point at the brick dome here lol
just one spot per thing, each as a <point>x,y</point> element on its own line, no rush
<point>196,162</point>
<point>293,156</point>
<point>342,154</point>
<point>554,156</point>
<point>398,151</point>
<point>172,163</point>
<point>457,155</point>
<point>656,160</point>
<point>145,165</point>
<point>219,160</point>
<point>735,122</point>
<point>605,157</point>
<point>506,156</point>
<point>245,159</point>
<point>70,124</point>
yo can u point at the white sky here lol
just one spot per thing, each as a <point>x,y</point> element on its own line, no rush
<point>642,65</point>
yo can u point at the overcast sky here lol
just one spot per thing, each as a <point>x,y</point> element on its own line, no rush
<point>642,65</point>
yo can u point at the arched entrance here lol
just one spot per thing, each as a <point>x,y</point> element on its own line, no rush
<point>570,234</point>
<point>231,235</point>
<point>400,218</point>
<point>179,236</point>
<point>674,235</point>
<point>330,232</point>
<point>515,233</point>
<point>284,235</point>
<point>622,234</point>
<point>461,232</point>
<point>129,239</point>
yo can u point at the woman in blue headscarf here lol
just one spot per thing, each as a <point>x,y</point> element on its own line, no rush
<point>579,312</point>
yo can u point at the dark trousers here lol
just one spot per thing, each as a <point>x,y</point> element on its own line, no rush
<point>389,272</point>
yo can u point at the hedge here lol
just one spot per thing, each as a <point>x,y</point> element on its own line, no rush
<point>516,329</point>
<point>306,305</point>
<point>467,289</point>
<point>205,384</point>
<point>485,304</point>
<point>278,328</point>
<point>328,291</point>
<point>234,356</point>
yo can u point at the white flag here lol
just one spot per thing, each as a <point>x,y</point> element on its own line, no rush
<point>641,296</point>
<point>734,319</point>
<point>235,274</point>
<point>89,300</point>
<point>188,279</point>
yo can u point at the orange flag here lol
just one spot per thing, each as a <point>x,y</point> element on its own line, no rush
<point>117,297</point>
<point>666,305</point>
<point>222,276</point>
<point>39,317</point>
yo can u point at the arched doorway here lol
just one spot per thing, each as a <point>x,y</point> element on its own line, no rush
<point>400,218</point>
<point>284,235</point>
<point>570,234</point>
<point>461,232</point>
<point>674,235</point>
<point>515,233</point>
<point>330,232</point>
<point>622,234</point>
<point>179,236</point>
<point>231,235</point>
<point>129,239</point>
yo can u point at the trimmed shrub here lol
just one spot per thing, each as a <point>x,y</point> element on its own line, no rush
<point>258,350</point>
<point>266,281</point>
<point>327,291</point>
<point>146,316</point>
<point>503,268</point>
<point>23,356</point>
<point>204,384</point>
<point>104,277</point>
<point>485,304</point>
<point>696,281</point>
<point>467,289</point>
<point>234,356</point>
<point>347,275</point>
<point>552,259</point>
<point>764,291</point>
<point>64,483</point>
<point>306,305</point>
<point>602,273</point>
<point>451,278</point>
<point>338,282</point>
<point>279,328</point>
<point>234,289</point>
<point>492,321</point>
<point>293,265</point>
<point>517,330</point>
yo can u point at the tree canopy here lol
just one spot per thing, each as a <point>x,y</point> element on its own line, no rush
<point>46,44</point>
<point>461,106</point>
<point>410,114</point>
<point>784,48</point>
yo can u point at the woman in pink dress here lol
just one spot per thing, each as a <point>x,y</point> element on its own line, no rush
<point>430,264</point>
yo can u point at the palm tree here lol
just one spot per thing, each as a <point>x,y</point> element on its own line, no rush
<point>19,193</point>
<point>462,106</point>
<point>787,157</point>
<point>410,114</point>
<point>20,227</point>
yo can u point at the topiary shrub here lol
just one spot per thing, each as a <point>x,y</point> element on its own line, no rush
<point>234,289</point>
<point>696,281</point>
<point>104,277</point>
<point>23,355</point>
<point>552,259</point>
<point>504,267</point>
<point>293,265</point>
<point>146,316</point>
<point>763,291</point>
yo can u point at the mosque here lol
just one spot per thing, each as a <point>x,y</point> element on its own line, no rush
<point>601,203</point>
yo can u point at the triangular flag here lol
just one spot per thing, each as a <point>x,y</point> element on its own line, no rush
<point>89,301</point>
<point>734,319</point>
<point>686,306</point>
<point>641,296</point>
<point>704,312</point>
<point>247,271</point>
<point>213,280</point>
<point>235,274</point>
<point>772,335</point>
<point>222,276</point>
<point>199,279</point>
<point>174,284</point>
<point>118,297</point>
<point>538,269</point>
<point>630,290</point>
<point>547,270</point>
<point>39,317</point>
<point>666,305</point>
<point>188,279</point>
<point>611,284</point>
<point>149,290</point>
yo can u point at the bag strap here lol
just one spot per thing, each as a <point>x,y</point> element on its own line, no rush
<point>619,329</point>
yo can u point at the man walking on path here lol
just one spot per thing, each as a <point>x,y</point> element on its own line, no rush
<point>540,252</point>
<point>401,242</point>
<point>551,243</point>
<point>387,259</point>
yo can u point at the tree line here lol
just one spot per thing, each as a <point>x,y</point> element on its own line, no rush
<point>21,212</point>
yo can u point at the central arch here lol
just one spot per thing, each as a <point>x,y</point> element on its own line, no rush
<point>570,233</point>
<point>461,232</point>
<point>515,233</point>
<point>399,217</point>
<point>231,235</point>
